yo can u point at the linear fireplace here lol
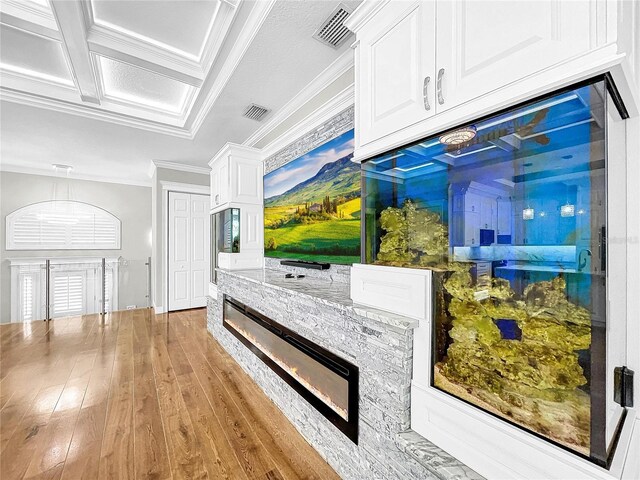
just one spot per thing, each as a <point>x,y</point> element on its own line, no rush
<point>326,381</point>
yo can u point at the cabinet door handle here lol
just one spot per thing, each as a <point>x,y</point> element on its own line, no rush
<point>439,86</point>
<point>425,96</point>
<point>217,199</point>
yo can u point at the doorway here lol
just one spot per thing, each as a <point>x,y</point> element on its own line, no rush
<point>188,250</point>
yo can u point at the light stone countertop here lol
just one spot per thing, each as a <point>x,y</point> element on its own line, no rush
<point>335,294</point>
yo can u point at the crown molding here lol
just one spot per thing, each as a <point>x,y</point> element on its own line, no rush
<point>13,168</point>
<point>87,111</point>
<point>341,65</point>
<point>337,104</point>
<point>178,166</point>
<point>365,12</point>
<point>250,29</point>
<point>32,13</point>
<point>185,187</point>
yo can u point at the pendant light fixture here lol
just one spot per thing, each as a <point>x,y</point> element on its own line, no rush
<point>459,136</point>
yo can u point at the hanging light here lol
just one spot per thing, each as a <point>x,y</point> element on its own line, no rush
<point>567,210</point>
<point>459,136</point>
<point>528,214</point>
<point>63,211</point>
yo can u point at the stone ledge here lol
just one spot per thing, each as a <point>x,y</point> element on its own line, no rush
<point>322,291</point>
<point>433,458</point>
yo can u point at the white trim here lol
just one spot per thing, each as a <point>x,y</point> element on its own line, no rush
<point>337,104</point>
<point>365,12</point>
<point>250,29</point>
<point>184,187</point>
<point>178,166</point>
<point>13,168</point>
<point>86,111</point>
<point>343,63</point>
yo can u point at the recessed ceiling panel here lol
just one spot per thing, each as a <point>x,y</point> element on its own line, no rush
<point>33,55</point>
<point>182,26</point>
<point>130,84</point>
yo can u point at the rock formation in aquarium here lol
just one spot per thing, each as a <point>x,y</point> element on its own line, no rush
<point>414,236</point>
<point>516,356</point>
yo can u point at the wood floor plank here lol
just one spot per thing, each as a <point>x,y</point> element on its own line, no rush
<point>137,395</point>
<point>185,456</point>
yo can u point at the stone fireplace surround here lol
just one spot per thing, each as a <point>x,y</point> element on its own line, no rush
<point>379,343</point>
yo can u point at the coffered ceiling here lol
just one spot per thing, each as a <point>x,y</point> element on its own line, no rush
<point>139,59</point>
<point>109,86</point>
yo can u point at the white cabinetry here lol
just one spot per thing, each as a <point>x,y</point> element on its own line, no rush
<point>423,67</point>
<point>396,57</point>
<point>236,182</point>
<point>236,177</point>
<point>504,217</point>
<point>484,45</point>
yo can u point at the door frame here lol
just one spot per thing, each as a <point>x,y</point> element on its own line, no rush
<point>167,187</point>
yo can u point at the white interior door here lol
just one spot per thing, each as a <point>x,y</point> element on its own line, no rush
<point>199,252</point>
<point>188,250</point>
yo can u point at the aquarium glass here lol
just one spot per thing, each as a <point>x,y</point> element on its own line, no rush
<point>510,214</point>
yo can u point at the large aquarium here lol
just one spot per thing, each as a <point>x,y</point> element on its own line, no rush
<point>509,212</point>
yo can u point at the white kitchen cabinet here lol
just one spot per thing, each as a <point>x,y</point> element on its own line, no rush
<point>236,177</point>
<point>484,45</point>
<point>488,213</point>
<point>504,217</point>
<point>395,58</point>
<point>471,229</point>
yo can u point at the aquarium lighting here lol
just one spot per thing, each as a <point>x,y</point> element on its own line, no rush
<point>414,168</point>
<point>567,210</point>
<point>458,137</point>
<point>528,111</point>
<point>528,214</point>
<point>386,159</point>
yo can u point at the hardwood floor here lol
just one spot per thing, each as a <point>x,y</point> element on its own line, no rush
<point>140,396</point>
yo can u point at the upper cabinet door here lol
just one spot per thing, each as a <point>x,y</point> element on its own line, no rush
<point>395,59</point>
<point>485,45</point>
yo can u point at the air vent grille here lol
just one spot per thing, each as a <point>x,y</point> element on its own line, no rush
<point>332,32</point>
<point>255,112</point>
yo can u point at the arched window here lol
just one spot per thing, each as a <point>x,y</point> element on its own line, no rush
<point>62,225</point>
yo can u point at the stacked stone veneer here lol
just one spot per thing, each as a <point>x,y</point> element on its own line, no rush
<point>383,354</point>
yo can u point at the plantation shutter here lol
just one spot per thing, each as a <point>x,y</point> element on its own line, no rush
<point>62,225</point>
<point>68,294</point>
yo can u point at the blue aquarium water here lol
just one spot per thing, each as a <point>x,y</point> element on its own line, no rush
<point>510,214</point>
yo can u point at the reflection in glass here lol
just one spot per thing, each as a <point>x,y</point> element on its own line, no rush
<point>225,236</point>
<point>512,222</point>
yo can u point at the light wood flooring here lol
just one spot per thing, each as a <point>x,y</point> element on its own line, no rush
<point>140,396</point>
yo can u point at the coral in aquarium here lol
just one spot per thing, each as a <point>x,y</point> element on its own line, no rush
<point>414,236</point>
<point>530,375</point>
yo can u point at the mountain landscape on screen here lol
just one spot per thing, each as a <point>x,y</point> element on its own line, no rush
<point>312,205</point>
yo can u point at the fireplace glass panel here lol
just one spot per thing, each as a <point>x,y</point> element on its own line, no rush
<point>329,387</point>
<point>509,213</point>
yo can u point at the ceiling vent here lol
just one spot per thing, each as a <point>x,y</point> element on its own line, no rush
<point>255,112</point>
<point>332,32</point>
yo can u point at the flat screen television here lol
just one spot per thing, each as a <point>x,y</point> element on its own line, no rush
<point>312,205</point>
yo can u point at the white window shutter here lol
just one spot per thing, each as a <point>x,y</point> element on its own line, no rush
<point>62,225</point>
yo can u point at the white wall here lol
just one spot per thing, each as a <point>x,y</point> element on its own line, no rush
<point>131,204</point>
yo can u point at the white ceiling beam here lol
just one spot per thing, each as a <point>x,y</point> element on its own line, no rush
<point>112,45</point>
<point>71,22</point>
<point>28,26</point>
